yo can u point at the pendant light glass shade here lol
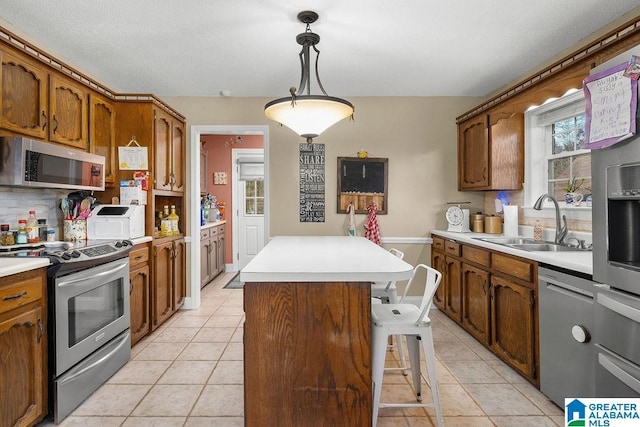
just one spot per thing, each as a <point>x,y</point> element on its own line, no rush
<point>308,115</point>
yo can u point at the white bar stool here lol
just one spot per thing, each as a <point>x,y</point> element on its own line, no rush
<point>387,293</point>
<point>414,323</point>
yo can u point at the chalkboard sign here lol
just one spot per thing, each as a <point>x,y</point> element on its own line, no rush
<point>612,101</point>
<point>362,182</point>
<point>311,182</point>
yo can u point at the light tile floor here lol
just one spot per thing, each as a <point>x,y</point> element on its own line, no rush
<point>189,373</point>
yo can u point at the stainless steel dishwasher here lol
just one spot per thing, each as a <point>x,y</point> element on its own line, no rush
<point>567,353</point>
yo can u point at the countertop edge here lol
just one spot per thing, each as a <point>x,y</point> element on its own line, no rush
<point>575,261</point>
<point>213,224</point>
<point>10,266</point>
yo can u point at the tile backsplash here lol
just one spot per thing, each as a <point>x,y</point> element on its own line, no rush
<point>15,204</point>
<point>517,198</point>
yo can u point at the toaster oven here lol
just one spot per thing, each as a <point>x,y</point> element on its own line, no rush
<point>116,222</point>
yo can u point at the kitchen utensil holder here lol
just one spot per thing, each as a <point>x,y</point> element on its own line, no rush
<point>74,230</point>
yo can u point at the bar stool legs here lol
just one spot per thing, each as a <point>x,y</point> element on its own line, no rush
<point>412,322</point>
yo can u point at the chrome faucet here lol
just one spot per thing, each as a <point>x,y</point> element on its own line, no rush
<point>561,230</point>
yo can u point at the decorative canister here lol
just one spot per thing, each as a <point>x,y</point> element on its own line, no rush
<point>74,229</point>
<point>477,222</point>
<point>493,224</point>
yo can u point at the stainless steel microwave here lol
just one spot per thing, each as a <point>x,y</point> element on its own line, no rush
<point>29,163</point>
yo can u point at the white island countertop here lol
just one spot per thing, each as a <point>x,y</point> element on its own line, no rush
<point>324,259</point>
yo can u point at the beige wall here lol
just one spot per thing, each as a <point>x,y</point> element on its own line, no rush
<point>417,135</point>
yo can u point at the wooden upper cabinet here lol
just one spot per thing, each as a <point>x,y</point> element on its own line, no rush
<point>162,136</point>
<point>178,156</point>
<point>506,136</point>
<point>169,152</point>
<point>23,96</point>
<point>69,113</point>
<point>491,151</point>
<point>102,134</point>
<point>473,154</point>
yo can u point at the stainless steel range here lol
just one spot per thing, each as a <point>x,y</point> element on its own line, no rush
<point>89,319</point>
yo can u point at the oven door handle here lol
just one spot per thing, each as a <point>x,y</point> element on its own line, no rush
<point>101,274</point>
<point>613,304</point>
<point>123,341</point>
<point>618,371</point>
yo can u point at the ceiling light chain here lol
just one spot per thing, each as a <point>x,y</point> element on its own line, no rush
<point>306,114</point>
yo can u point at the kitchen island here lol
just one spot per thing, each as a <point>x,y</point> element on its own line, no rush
<point>307,333</point>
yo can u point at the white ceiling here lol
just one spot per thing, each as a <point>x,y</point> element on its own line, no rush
<point>248,47</point>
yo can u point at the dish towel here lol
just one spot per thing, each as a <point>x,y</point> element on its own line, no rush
<point>352,219</point>
<point>371,228</point>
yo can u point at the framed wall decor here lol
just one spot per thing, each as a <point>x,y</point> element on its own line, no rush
<point>362,181</point>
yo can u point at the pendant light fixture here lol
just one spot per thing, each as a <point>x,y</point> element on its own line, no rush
<point>308,115</point>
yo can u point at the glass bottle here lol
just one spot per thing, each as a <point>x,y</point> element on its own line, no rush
<point>42,229</point>
<point>165,224</point>
<point>32,228</point>
<point>7,236</point>
<point>174,218</point>
<point>22,232</point>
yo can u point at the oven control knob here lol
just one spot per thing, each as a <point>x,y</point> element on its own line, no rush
<point>118,244</point>
<point>580,333</point>
<point>66,256</point>
<point>75,254</point>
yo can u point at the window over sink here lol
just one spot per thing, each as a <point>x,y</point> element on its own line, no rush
<point>556,163</point>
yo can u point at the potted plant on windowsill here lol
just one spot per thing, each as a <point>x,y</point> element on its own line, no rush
<point>571,195</point>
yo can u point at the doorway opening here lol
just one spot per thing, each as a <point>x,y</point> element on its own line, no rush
<point>233,137</point>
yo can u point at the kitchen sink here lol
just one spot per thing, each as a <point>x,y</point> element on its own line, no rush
<point>546,247</point>
<point>508,240</point>
<point>531,245</point>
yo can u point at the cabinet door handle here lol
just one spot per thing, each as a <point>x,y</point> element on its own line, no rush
<point>40,330</point>
<point>55,123</point>
<point>130,287</point>
<point>44,122</point>
<point>10,297</point>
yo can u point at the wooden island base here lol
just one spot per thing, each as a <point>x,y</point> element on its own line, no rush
<point>307,355</point>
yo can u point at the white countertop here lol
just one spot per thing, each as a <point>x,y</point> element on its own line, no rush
<point>13,265</point>
<point>143,239</point>
<point>324,259</point>
<point>581,261</point>
<point>213,224</point>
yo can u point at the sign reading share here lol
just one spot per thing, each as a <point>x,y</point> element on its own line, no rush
<point>602,412</point>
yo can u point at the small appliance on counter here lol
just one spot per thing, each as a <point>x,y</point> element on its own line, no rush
<point>457,218</point>
<point>116,222</point>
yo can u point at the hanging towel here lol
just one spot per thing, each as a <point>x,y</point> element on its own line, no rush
<point>371,228</point>
<point>352,219</point>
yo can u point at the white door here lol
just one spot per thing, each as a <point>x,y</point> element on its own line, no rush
<point>250,204</point>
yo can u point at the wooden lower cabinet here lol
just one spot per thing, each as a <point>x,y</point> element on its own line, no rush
<point>448,296</point>
<point>140,292</point>
<point>170,287</point>
<point>492,296</point>
<point>211,253</point>
<point>453,288</point>
<point>476,301</point>
<point>437,262</point>
<point>512,324</point>
<point>23,348</point>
